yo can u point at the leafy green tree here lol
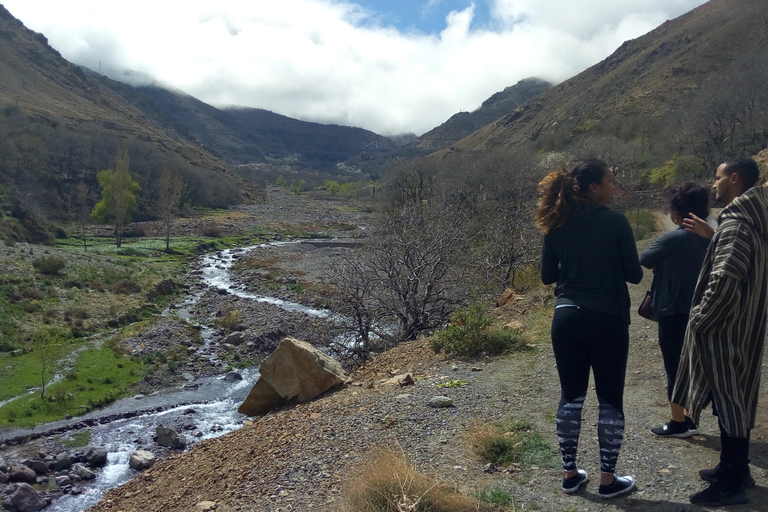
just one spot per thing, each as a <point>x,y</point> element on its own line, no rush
<point>332,187</point>
<point>118,196</point>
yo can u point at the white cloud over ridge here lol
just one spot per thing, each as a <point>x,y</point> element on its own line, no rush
<point>329,61</point>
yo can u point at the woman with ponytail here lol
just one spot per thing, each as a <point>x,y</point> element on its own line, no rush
<point>589,251</point>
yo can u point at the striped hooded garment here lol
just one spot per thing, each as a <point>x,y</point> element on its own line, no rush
<point>723,348</point>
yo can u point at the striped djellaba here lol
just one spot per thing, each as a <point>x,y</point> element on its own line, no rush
<point>723,349</point>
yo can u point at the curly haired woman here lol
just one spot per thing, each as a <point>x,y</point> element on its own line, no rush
<point>589,251</point>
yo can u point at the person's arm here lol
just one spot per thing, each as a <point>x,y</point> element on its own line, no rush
<point>698,226</point>
<point>550,263</point>
<point>662,248</point>
<point>630,262</point>
<point>726,280</point>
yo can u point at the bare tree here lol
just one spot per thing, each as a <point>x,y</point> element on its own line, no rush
<point>47,349</point>
<point>169,190</point>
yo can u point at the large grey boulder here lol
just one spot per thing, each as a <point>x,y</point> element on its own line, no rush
<point>26,499</point>
<point>96,456</point>
<point>22,473</point>
<point>141,460</point>
<point>296,372</point>
<point>62,461</point>
<point>170,438</point>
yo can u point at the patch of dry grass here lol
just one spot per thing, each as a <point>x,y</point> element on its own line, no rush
<point>388,483</point>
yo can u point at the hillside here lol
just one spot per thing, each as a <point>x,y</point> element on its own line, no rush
<point>668,91</point>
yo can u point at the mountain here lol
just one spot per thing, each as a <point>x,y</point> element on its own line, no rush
<point>462,124</point>
<point>695,84</point>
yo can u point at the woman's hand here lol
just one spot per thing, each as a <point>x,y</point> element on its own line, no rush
<point>698,226</point>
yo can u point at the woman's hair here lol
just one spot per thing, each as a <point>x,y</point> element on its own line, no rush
<point>563,193</point>
<point>687,198</point>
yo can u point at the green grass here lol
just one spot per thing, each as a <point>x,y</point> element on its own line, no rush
<point>18,373</point>
<point>515,442</point>
<point>98,378</point>
<point>78,439</point>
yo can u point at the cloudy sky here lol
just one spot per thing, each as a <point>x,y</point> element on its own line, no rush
<point>391,66</point>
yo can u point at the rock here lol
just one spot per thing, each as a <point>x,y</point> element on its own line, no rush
<point>205,506</point>
<point>489,468</point>
<point>231,377</point>
<point>170,438</point>
<point>299,372</point>
<point>27,499</point>
<point>63,481</point>
<point>190,386</point>
<point>4,477</point>
<point>3,465</point>
<point>261,399</point>
<point>236,339</point>
<point>404,379</point>
<point>83,472</point>
<point>141,460</point>
<point>62,461</point>
<point>38,466</point>
<point>440,401</point>
<point>505,297</point>
<point>96,456</point>
<point>22,473</point>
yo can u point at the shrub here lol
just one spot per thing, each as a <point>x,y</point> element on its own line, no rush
<point>49,265</point>
<point>230,319</point>
<point>388,483</point>
<point>212,230</point>
<point>471,334</point>
<point>644,223</point>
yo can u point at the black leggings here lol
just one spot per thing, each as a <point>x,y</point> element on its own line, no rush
<point>584,339</point>
<point>671,337</point>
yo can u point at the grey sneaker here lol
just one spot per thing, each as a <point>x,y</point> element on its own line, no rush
<point>571,485</point>
<point>621,485</point>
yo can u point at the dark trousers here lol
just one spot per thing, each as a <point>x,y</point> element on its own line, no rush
<point>734,461</point>
<point>671,337</point>
<point>584,339</point>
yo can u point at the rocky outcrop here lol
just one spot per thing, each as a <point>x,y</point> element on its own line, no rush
<point>96,456</point>
<point>294,372</point>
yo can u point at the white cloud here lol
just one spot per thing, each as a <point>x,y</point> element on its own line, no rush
<point>328,61</point>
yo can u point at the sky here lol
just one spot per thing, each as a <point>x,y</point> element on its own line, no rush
<point>390,66</point>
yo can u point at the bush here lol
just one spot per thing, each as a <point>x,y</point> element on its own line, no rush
<point>230,319</point>
<point>212,230</point>
<point>644,223</point>
<point>49,265</point>
<point>471,334</point>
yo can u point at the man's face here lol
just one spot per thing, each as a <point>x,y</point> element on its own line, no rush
<point>723,186</point>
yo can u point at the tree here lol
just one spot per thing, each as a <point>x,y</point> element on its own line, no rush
<point>118,195</point>
<point>83,212</point>
<point>47,348</point>
<point>169,191</point>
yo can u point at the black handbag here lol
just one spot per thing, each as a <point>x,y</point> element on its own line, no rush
<point>645,307</point>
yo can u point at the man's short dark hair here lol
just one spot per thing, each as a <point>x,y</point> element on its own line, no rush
<point>747,170</point>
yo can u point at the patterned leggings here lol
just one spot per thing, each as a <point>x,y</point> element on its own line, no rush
<point>583,339</point>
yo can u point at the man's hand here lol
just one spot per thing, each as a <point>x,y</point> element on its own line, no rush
<point>698,226</point>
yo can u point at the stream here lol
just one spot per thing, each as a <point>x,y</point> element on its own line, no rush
<point>207,407</point>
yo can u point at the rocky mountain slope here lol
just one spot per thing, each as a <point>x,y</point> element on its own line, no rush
<point>648,88</point>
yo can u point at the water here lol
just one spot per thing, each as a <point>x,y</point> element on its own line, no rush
<point>215,401</point>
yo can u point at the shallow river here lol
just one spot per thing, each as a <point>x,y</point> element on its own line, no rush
<point>211,408</point>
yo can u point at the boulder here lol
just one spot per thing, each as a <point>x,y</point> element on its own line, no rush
<point>63,481</point>
<point>261,399</point>
<point>300,372</point>
<point>404,379</point>
<point>83,472</point>
<point>26,499</point>
<point>141,460</point>
<point>62,461</point>
<point>170,438</point>
<point>22,473</point>
<point>505,297</point>
<point>235,339</point>
<point>38,466</point>
<point>232,377</point>
<point>440,401</point>
<point>96,456</point>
